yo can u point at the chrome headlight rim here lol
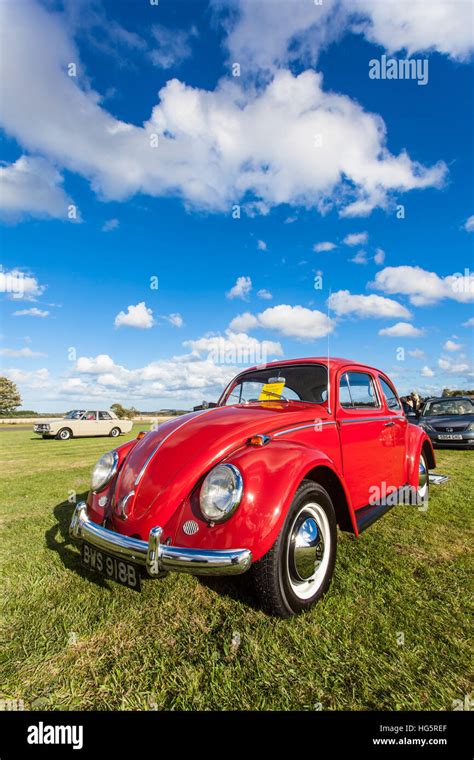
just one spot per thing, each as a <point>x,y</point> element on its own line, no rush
<point>236,496</point>
<point>110,474</point>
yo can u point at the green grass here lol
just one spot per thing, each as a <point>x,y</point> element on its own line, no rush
<point>73,641</point>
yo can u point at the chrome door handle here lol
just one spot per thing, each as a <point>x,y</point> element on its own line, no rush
<point>389,424</point>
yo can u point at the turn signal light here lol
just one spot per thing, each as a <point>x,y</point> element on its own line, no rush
<point>141,434</point>
<point>258,440</point>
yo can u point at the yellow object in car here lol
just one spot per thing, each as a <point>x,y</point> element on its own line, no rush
<point>271,391</point>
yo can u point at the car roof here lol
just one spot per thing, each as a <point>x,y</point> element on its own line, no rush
<point>333,361</point>
<point>450,398</point>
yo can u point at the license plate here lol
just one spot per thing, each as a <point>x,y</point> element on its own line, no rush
<point>110,567</point>
<point>450,437</point>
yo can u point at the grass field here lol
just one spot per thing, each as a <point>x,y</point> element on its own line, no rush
<point>393,632</point>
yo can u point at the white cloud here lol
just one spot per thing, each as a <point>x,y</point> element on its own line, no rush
<point>417,353</point>
<point>451,345</point>
<point>379,257</point>
<point>401,330</point>
<point>447,28</point>
<point>36,379</point>
<point>263,137</point>
<point>244,322</point>
<point>427,372</point>
<point>325,246</point>
<point>175,319</point>
<point>23,353</point>
<point>454,368</point>
<point>241,289</point>
<point>31,186</point>
<point>172,46</point>
<point>110,224</point>
<point>359,258</point>
<point>292,321</point>
<point>266,35</point>
<point>136,316</point>
<point>99,364</point>
<point>469,225</point>
<point>261,245</point>
<point>356,238</point>
<point>425,287</point>
<point>244,348</point>
<point>20,285</point>
<point>265,294</point>
<point>345,303</point>
<point>34,312</point>
<point>469,323</point>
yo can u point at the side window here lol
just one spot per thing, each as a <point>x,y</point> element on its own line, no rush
<point>344,393</point>
<point>357,391</point>
<point>104,416</point>
<point>91,416</point>
<point>390,395</point>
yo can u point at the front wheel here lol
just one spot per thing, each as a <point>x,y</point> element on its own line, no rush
<point>115,432</point>
<point>297,570</point>
<point>64,434</point>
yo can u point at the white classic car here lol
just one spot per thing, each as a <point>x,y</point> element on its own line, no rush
<point>79,423</point>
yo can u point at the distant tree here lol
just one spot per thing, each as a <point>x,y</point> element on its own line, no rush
<point>123,413</point>
<point>10,398</point>
<point>448,392</point>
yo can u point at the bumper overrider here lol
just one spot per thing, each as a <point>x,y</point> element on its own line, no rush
<point>155,557</point>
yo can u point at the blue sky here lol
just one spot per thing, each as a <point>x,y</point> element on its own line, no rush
<point>163,220</point>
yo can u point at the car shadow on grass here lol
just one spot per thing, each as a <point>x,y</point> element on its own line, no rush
<point>59,540</point>
<point>239,588</point>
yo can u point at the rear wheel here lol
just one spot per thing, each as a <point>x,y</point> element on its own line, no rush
<point>115,432</point>
<point>297,570</point>
<point>423,487</point>
<point>64,434</point>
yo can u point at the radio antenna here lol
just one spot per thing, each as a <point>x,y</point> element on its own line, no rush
<point>329,373</point>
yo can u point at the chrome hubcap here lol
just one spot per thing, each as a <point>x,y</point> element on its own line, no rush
<point>307,548</point>
<point>308,555</point>
<point>422,477</point>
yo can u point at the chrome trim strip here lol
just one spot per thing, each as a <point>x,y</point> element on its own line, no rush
<point>160,444</point>
<point>303,427</point>
<point>156,557</point>
<point>372,419</point>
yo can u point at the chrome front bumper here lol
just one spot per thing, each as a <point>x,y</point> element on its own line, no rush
<point>156,557</point>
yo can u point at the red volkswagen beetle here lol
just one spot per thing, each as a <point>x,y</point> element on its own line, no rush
<point>259,482</point>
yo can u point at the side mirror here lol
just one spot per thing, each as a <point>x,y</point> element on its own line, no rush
<point>204,405</point>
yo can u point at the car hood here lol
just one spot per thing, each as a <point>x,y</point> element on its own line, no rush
<point>451,420</point>
<point>164,466</point>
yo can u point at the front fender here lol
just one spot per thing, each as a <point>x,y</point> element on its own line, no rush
<point>417,441</point>
<point>271,476</point>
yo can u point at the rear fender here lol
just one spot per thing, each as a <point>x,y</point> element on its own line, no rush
<point>418,442</point>
<point>271,476</point>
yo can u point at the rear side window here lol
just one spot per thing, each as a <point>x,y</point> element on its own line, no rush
<point>357,391</point>
<point>90,416</point>
<point>390,395</point>
<point>104,416</point>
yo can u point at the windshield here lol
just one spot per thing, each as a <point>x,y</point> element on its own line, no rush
<point>450,406</point>
<point>298,382</point>
<point>75,414</point>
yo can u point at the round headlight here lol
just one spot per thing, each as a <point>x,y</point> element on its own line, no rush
<point>104,470</point>
<point>221,492</point>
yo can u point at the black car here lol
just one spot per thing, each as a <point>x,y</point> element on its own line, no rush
<point>449,421</point>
